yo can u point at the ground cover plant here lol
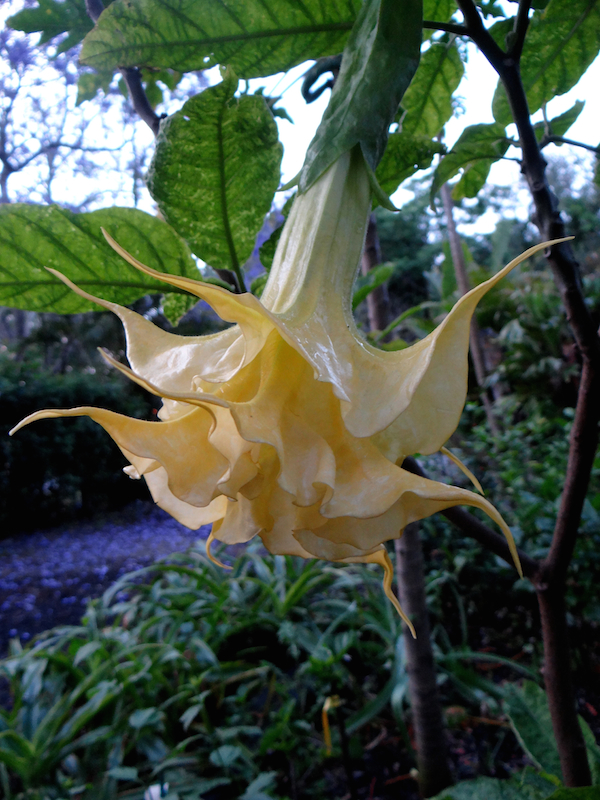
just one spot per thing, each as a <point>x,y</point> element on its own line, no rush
<point>215,684</point>
<point>292,425</point>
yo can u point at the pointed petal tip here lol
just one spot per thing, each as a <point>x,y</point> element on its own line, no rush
<point>209,555</point>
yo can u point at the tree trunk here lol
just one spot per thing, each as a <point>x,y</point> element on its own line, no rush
<point>462,279</point>
<point>378,301</point>
<point>428,722</point>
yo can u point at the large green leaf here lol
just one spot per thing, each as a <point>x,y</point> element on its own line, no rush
<point>379,62</point>
<point>474,153</point>
<point>561,43</point>
<point>51,18</point>
<point>255,38</point>
<point>559,125</point>
<point>494,789</point>
<point>405,154</point>
<point>427,107</point>
<point>33,237</point>
<point>528,712</point>
<point>428,100</point>
<point>437,11</point>
<point>215,171</point>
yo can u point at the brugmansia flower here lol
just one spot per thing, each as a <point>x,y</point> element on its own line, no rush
<point>289,425</point>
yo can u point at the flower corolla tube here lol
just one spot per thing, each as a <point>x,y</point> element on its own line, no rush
<point>288,425</point>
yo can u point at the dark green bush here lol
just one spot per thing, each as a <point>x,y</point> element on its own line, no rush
<point>59,470</point>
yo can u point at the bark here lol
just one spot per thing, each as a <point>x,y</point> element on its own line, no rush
<point>551,581</point>
<point>377,301</point>
<point>427,717</point>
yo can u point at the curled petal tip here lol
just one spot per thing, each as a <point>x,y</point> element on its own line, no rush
<point>210,556</point>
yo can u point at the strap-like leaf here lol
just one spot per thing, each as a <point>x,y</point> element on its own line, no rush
<point>255,38</point>
<point>215,171</point>
<point>34,237</point>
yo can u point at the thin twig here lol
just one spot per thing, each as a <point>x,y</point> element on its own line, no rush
<point>448,27</point>
<point>520,30</point>
<point>551,139</point>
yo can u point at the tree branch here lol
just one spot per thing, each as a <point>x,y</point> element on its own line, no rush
<point>448,27</point>
<point>475,28</point>
<point>550,582</point>
<point>582,450</point>
<point>475,529</point>
<point>141,105</point>
<point>550,139</point>
<point>520,30</point>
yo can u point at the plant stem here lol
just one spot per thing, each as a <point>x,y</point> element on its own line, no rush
<point>582,447</point>
<point>427,717</point>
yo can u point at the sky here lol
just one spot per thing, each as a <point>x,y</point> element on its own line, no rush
<point>475,93</point>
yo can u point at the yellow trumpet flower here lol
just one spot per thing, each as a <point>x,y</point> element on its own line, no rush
<point>289,425</point>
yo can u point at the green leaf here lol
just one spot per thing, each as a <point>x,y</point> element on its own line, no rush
<point>593,750</point>
<point>561,44</point>
<point>428,99</point>
<point>583,793</point>
<point>437,11</point>
<point>86,650</point>
<point>495,789</point>
<point>378,64</point>
<point>225,755</point>
<point>33,237</point>
<point>368,283</point>
<point>427,107</point>
<point>175,306</point>
<point>255,38</point>
<point>89,83</point>
<point>558,126</point>
<point>145,716</point>
<point>215,171</point>
<point>528,712</point>
<point>51,18</point>
<point>123,773</point>
<point>263,781</point>
<point>478,147</point>
<point>405,154</point>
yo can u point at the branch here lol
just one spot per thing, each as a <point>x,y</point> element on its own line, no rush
<point>520,30</point>
<point>582,450</point>
<point>448,27</point>
<point>141,105</point>
<point>131,76</point>
<point>476,30</point>
<point>475,529</point>
<point>550,139</point>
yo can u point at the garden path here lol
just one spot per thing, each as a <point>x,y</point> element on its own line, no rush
<point>46,577</point>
